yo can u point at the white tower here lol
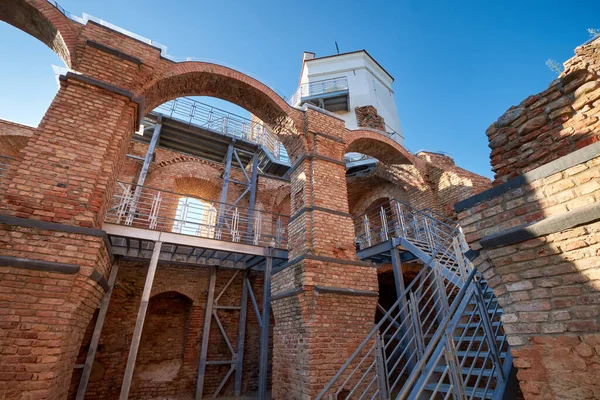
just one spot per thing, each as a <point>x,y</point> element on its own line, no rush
<point>344,82</point>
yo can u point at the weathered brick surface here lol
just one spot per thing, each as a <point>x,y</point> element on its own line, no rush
<point>551,124</point>
<point>167,361</point>
<point>367,117</point>
<point>43,315</point>
<point>66,173</point>
<point>549,286</point>
<point>564,191</point>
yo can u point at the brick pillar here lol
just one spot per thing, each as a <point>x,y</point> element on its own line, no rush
<point>318,323</point>
<point>53,258</point>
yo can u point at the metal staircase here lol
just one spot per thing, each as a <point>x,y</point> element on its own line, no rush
<point>443,337</point>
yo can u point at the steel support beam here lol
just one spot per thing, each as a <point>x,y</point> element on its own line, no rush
<point>145,168</point>
<point>139,323</point>
<point>264,329</point>
<point>91,355</point>
<point>205,334</point>
<point>226,174</point>
<point>237,385</point>
<point>403,307</point>
<point>252,202</point>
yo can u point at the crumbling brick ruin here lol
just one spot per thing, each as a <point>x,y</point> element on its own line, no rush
<point>147,255</point>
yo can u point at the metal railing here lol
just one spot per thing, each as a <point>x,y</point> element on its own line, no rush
<point>396,219</point>
<point>150,208</point>
<point>443,336</point>
<point>5,162</point>
<point>212,118</point>
<point>316,88</point>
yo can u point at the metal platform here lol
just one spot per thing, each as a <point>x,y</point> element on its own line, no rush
<point>138,244</point>
<point>329,94</point>
<point>200,130</point>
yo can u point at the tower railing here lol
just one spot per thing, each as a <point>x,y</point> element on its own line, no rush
<point>443,336</point>
<point>316,88</point>
<point>161,210</point>
<point>217,120</point>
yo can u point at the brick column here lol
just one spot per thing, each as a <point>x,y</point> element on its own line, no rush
<point>54,259</point>
<point>318,320</point>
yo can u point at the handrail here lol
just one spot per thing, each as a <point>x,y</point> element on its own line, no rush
<point>145,207</point>
<point>204,115</point>
<point>401,299</point>
<point>438,335</point>
<point>425,319</point>
<point>314,88</point>
<point>416,210</point>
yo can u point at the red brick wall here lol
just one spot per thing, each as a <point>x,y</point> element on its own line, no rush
<point>550,124</point>
<point>549,284</point>
<point>367,117</point>
<point>168,355</point>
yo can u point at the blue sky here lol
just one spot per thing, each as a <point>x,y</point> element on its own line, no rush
<point>458,64</point>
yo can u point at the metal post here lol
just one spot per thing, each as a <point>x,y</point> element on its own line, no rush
<point>489,331</point>
<point>454,366</point>
<point>205,333</point>
<point>252,202</point>
<point>403,307</point>
<point>145,168</point>
<point>237,385</point>
<point>382,375</point>
<point>89,361</point>
<point>139,323</point>
<point>264,329</point>
<point>416,322</point>
<point>225,188</point>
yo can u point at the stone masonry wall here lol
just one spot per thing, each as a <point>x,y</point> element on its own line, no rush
<point>368,117</point>
<point>538,232</point>
<point>551,124</point>
<point>167,361</point>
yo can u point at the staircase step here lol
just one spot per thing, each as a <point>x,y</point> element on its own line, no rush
<point>465,371</point>
<point>462,353</point>
<point>476,338</point>
<point>469,391</point>
<point>469,313</point>
<point>472,325</point>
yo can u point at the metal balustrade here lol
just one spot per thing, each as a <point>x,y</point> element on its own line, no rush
<point>5,162</point>
<point>443,337</point>
<point>154,209</point>
<point>316,88</point>
<point>217,120</point>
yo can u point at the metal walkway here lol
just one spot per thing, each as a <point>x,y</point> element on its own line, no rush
<point>201,130</point>
<point>443,337</point>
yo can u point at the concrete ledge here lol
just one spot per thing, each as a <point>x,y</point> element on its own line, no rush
<point>557,223</point>
<point>50,226</point>
<point>289,293</point>
<point>318,157</point>
<point>333,138</point>
<point>323,259</point>
<point>577,157</point>
<point>316,208</point>
<point>345,291</point>
<point>97,276</point>
<point>114,52</point>
<point>38,265</point>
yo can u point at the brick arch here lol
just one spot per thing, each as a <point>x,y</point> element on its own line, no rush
<point>385,190</point>
<point>198,187</point>
<point>165,177</point>
<point>193,78</point>
<point>44,22</point>
<point>373,143</point>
